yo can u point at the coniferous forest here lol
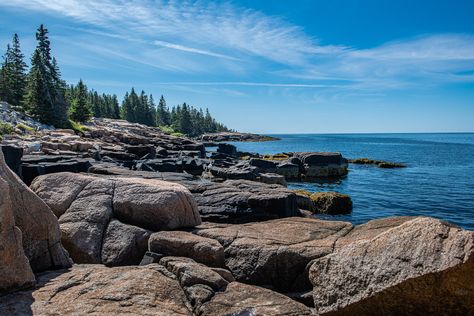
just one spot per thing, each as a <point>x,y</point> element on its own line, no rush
<point>40,92</point>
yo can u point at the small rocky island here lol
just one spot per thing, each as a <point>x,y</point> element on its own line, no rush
<point>121,218</point>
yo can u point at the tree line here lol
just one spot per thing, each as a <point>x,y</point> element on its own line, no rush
<point>41,92</point>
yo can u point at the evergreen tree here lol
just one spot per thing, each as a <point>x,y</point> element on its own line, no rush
<point>80,107</point>
<point>45,71</point>
<point>115,107</point>
<point>5,75</point>
<point>163,116</point>
<point>152,110</point>
<point>13,76</point>
<point>185,121</point>
<point>38,98</point>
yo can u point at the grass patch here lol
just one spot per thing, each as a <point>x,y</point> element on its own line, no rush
<point>25,128</point>
<point>5,128</point>
<point>276,157</point>
<point>77,127</point>
<point>303,192</point>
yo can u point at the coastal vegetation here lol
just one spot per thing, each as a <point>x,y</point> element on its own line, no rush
<point>379,163</point>
<point>42,93</point>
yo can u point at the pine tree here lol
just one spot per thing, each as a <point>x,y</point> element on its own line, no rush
<point>185,122</point>
<point>45,71</point>
<point>163,116</point>
<point>5,75</point>
<point>152,109</point>
<point>38,98</point>
<point>80,107</point>
<point>115,107</point>
<point>14,73</point>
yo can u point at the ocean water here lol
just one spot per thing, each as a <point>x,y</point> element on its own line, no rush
<point>438,182</point>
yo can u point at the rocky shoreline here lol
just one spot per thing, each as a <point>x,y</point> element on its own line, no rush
<point>235,137</point>
<point>123,218</point>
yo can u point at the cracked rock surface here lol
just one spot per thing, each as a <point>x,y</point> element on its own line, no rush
<point>399,266</point>
<point>87,205</point>
<point>40,235</point>
<point>276,253</point>
<point>98,290</point>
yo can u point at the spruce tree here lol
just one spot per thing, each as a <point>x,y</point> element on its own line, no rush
<point>14,73</point>
<point>38,98</point>
<point>115,107</point>
<point>48,79</point>
<point>80,107</point>
<point>185,122</point>
<point>5,75</point>
<point>163,116</point>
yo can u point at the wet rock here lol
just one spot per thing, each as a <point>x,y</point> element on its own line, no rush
<point>98,290</point>
<point>243,299</point>
<point>183,244</point>
<point>265,165</point>
<point>288,170</point>
<point>320,158</point>
<point>331,203</point>
<point>235,137</point>
<point>234,172</point>
<point>422,266</point>
<point>276,253</point>
<point>228,149</point>
<point>272,178</point>
<point>39,227</point>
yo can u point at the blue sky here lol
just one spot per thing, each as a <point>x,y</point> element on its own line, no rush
<point>274,66</point>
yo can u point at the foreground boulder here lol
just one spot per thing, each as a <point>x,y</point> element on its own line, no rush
<point>417,266</point>
<point>41,237</point>
<point>276,253</point>
<point>86,205</point>
<point>332,203</point>
<point>15,270</point>
<point>243,299</point>
<point>97,290</point>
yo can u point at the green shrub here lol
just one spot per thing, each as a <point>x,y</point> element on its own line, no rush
<point>24,127</point>
<point>5,128</point>
<point>77,127</point>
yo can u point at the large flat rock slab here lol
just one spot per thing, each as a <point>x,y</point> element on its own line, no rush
<point>276,253</point>
<point>398,266</point>
<point>98,290</point>
<point>242,201</point>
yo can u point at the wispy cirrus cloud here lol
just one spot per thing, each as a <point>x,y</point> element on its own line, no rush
<point>208,37</point>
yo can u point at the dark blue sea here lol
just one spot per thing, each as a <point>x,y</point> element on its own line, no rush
<point>438,182</point>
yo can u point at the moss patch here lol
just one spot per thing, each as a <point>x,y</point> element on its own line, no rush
<point>276,157</point>
<point>378,163</point>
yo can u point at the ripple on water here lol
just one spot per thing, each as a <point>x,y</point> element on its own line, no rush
<point>438,182</point>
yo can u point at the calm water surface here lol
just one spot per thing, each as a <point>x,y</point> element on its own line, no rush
<point>438,182</point>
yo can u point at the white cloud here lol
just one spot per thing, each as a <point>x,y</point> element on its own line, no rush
<point>191,26</point>
<point>205,37</point>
